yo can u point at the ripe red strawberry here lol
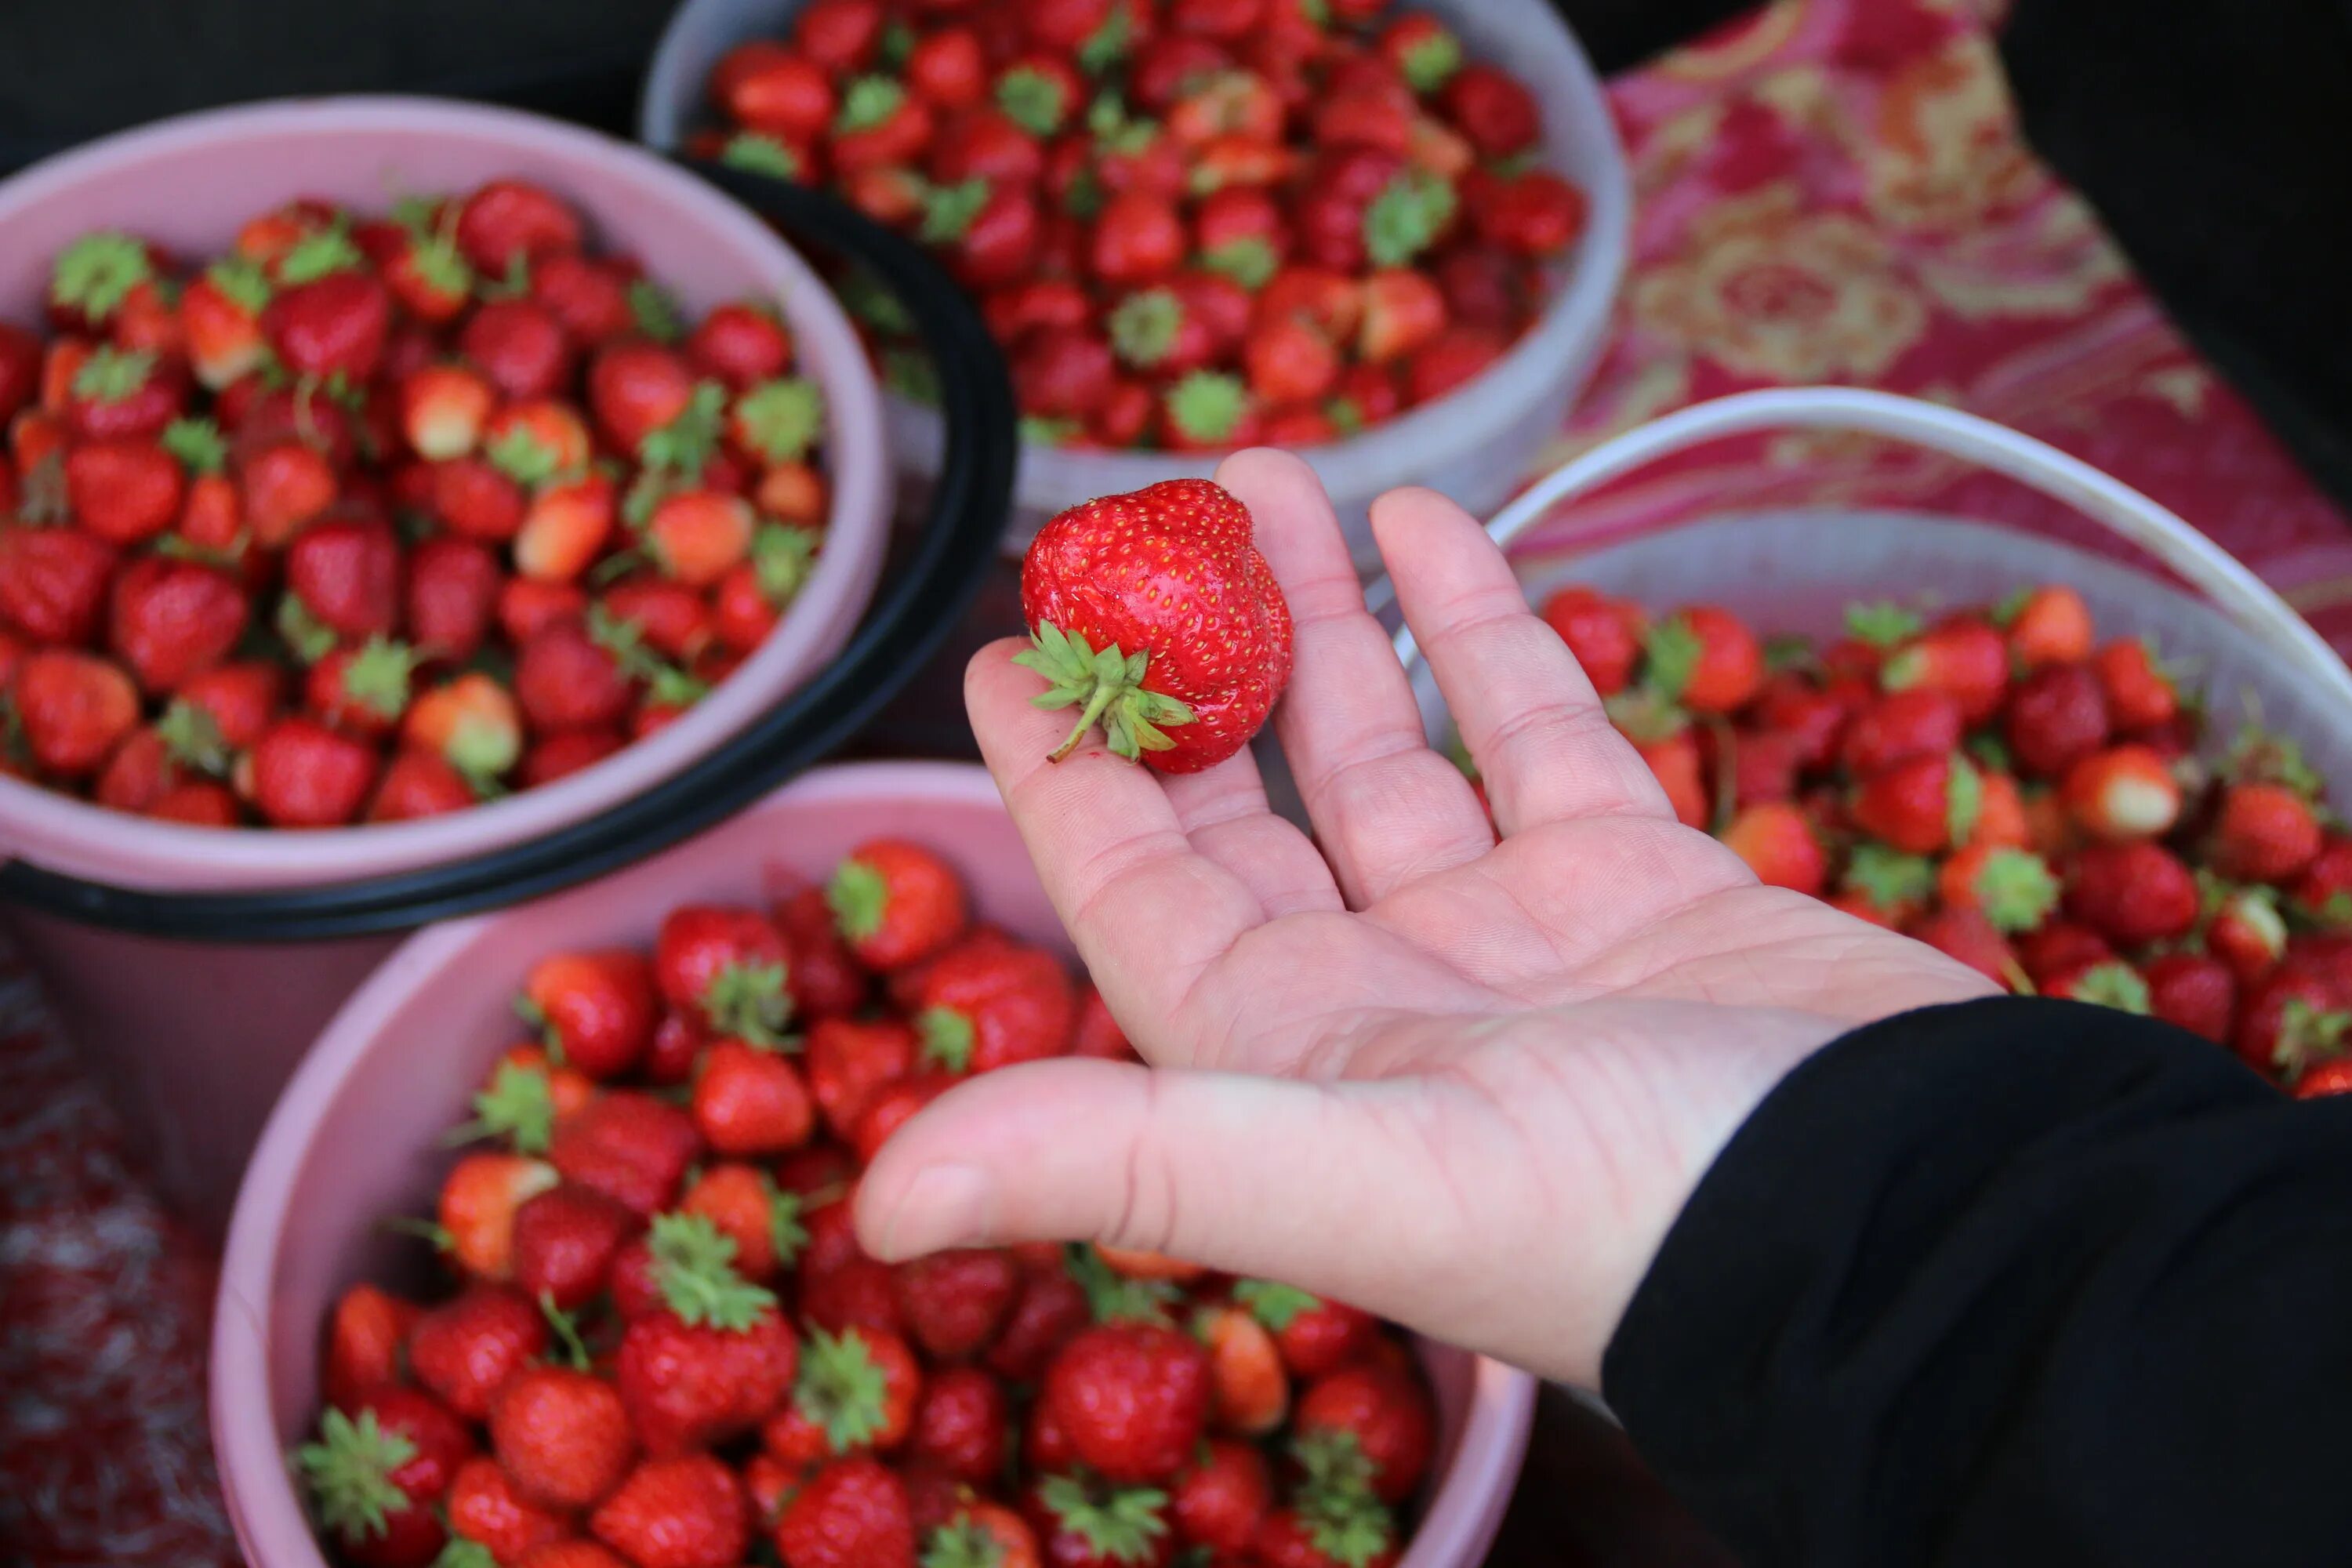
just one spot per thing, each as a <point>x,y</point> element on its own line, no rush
<point>53,582</point>
<point>1051,1308</point>
<point>509,219</point>
<point>1705,659</point>
<point>1386,1416</point>
<point>689,1511</point>
<point>173,619</point>
<point>2045,626</point>
<point>334,324</point>
<point>282,486</point>
<point>725,965</point>
<point>2060,945</point>
<point>118,394</point>
<point>2294,1019</point>
<point>597,1008</point>
<point>124,490</point>
<point>1964,658</point>
<point>1133,1396</point>
<point>226,708</point>
<point>764,85</point>
<point>484,1506</point>
<point>2131,893</point>
<point>464,1351</point>
<point>1082,593</point>
<point>715,1359</point>
<point>2245,930</point>
<point>1780,845</point>
<point>2325,889</point>
<point>475,1215</point>
<point>1328,1531</point>
<point>2194,991</point>
<point>2331,1076</point>
<point>452,590</point>
<point>376,1473</point>
<point>520,345</point>
<point>2057,716</point>
<point>72,708</point>
<point>1095,1032</point>
<point>852,1513</point>
<point>1968,937</point>
<point>347,576</point>
<point>1081,1524</point>
<point>1534,213</point>
<point>1898,728</point>
<point>953,1303</point>
<point>1222,1498</point>
<point>629,1146</point>
<point>576,1552</point>
<point>562,1436</point>
<point>743,1204</point>
<point>2264,833</point>
<point>896,903</point>
<point>2139,693</point>
<point>855,1393</point>
<point>2113,983</point>
<point>962,1426</point>
<point>981,1008</point>
<point>750,1100</point>
<point>365,1341</point>
<point>594,300</point>
<point>2123,792</point>
<point>564,1242</point>
<point>443,409</point>
<point>361,690</point>
<point>1920,806</point>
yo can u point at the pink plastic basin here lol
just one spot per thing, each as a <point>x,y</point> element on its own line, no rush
<point>194,1038</point>
<point>356,1136</point>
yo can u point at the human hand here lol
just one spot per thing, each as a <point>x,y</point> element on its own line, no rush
<point>1464,1083</point>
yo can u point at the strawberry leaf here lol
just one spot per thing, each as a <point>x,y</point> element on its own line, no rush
<point>1123,1525</point>
<point>241,281</point>
<point>320,255</point>
<point>870,101</point>
<point>688,441</point>
<point>197,443</point>
<point>462,1552</point>
<point>782,419</point>
<point>841,1389</point>
<point>749,151</point>
<point>1881,625</point>
<point>523,458</point>
<point>1033,101</point>
<point>1888,879</point>
<point>782,554</point>
<point>567,1334</point>
<point>1430,62</point>
<point>1107,687</point>
<point>1144,325</point>
<point>377,676</point>
<point>656,314</point>
<point>349,1471</point>
<point>519,1106</point>
<point>97,272</point>
<point>111,374</point>
<point>946,1034</point>
<point>1107,44</point>
<point>1249,261</point>
<point>860,898</point>
<point>1963,800</point>
<point>750,1002</point>
<point>948,210</point>
<point>1674,650</point>
<point>694,1266</point>
<point>306,636</point>
<point>194,738</point>
<point>1112,1296</point>
<point>1412,213</point>
<point>962,1544</point>
<point>786,1234</point>
<point>2016,890</point>
<point>2113,984</point>
<point>1208,406</point>
<point>1275,1306</point>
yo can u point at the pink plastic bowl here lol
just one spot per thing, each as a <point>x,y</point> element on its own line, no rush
<point>356,1136</point>
<point>193,1039</point>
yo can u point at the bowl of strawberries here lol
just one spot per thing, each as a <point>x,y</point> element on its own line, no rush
<point>408,506</point>
<point>1386,236</point>
<point>2056,765</point>
<point>581,1289</point>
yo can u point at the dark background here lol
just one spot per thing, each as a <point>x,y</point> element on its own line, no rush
<point>2215,136</point>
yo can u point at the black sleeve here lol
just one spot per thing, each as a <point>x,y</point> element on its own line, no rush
<point>2015,1282</point>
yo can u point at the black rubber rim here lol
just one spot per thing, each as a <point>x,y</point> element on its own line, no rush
<point>910,616</point>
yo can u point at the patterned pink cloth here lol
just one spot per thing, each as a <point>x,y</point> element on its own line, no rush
<point>1830,191</point>
<point>1836,191</point>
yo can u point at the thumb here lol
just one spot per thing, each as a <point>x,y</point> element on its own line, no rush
<point>1239,1173</point>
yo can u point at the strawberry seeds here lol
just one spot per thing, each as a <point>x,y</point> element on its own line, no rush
<point>375,517</point>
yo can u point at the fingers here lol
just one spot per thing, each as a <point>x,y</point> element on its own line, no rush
<point>1223,811</point>
<point>1184,1164</point>
<point>1148,911</point>
<point>1532,722</point>
<point>1386,808</point>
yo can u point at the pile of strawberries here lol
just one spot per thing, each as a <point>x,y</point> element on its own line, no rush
<point>664,1342</point>
<point>376,517</point>
<point>1999,782</point>
<point>1192,223</point>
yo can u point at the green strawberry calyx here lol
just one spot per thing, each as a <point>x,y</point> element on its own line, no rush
<point>1123,1524</point>
<point>859,898</point>
<point>1889,878</point>
<point>947,1038</point>
<point>694,1266</point>
<point>193,737</point>
<point>377,676</point>
<point>1107,688</point>
<point>962,1544</point>
<point>786,1234</point>
<point>463,1553</point>
<point>1274,1305</point>
<point>349,1470</point>
<point>2306,1036</point>
<point>519,1106</point>
<point>1208,406</point>
<point>841,1388</point>
<point>197,443</point>
<point>782,554</point>
<point>1412,213</point>
<point>1345,1520</point>
<point>750,1002</point>
<point>782,419</point>
<point>1144,325</point>
<point>112,374</point>
<point>760,155</point>
<point>2016,890</point>
<point>97,272</point>
<point>1112,1296</point>
<point>2113,984</point>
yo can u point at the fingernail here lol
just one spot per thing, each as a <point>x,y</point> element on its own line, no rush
<point>945,1206</point>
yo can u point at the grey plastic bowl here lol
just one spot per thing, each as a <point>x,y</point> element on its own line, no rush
<point>1475,445</point>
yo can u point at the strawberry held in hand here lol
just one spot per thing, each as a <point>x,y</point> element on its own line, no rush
<point>1154,614</point>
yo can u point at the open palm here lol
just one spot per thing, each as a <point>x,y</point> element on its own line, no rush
<point>1464,1082</point>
